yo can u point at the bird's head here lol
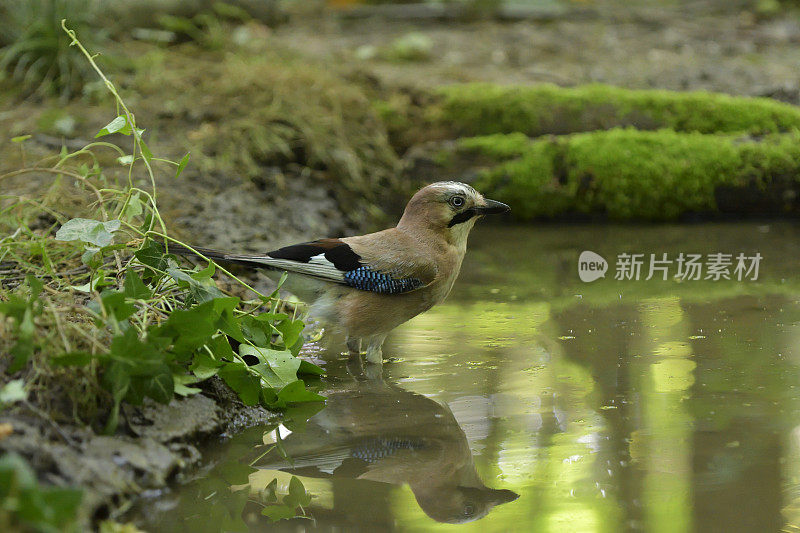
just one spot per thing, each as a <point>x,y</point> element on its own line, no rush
<point>450,208</point>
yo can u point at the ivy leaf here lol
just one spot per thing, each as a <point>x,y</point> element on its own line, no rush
<point>138,358</point>
<point>202,291</point>
<point>182,165</point>
<point>88,231</point>
<point>228,323</point>
<point>12,392</point>
<point>134,207</point>
<point>161,386</point>
<point>98,280</point>
<point>146,153</point>
<point>236,473</point>
<point>221,349</point>
<point>181,383</point>
<point>115,305</point>
<point>297,497</point>
<point>242,382</point>
<point>117,379</point>
<point>310,368</point>
<point>283,364</point>
<point>271,379</point>
<point>268,495</point>
<point>152,255</point>
<point>296,393</point>
<point>88,257</point>
<point>190,328</point>
<point>256,331</point>
<point>134,286</point>
<point>204,275</point>
<point>204,366</point>
<point>72,359</point>
<point>290,331</point>
<point>278,512</point>
<point>119,124</point>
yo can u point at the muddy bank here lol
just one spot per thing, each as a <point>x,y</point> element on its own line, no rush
<point>155,446</point>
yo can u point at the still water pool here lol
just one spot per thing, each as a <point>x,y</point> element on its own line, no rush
<point>532,401</point>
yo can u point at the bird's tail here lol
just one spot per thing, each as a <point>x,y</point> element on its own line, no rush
<point>220,257</point>
<point>196,251</point>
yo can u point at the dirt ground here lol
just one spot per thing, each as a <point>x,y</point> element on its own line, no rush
<point>696,45</point>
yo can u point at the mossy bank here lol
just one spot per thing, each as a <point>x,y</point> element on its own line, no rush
<point>627,155</point>
<point>628,174</point>
<point>481,109</point>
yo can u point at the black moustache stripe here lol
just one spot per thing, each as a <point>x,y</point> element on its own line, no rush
<point>462,217</point>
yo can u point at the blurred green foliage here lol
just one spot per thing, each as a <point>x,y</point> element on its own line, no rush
<point>207,28</point>
<point>413,46</point>
<point>25,505</point>
<point>36,53</point>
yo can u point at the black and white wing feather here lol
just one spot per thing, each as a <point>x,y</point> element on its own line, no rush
<point>331,260</point>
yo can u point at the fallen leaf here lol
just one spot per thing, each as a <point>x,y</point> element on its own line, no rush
<point>6,430</point>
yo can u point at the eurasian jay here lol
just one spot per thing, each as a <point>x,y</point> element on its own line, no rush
<point>368,285</point>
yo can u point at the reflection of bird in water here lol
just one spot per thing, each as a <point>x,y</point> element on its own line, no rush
<point>371,430</point>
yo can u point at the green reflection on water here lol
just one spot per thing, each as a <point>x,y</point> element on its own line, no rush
<point>666,374</point>
<point>609,406</point>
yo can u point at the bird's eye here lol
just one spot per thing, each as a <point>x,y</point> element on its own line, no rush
<point>469,510</point>
<point>457,201</point>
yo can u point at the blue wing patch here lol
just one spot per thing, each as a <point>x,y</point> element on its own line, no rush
<point>365,279</point>
<point>374,450</point>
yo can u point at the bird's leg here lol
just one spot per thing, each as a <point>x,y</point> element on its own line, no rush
<point>354,345</point>
<point>373,372</point>
<point>374,352</point>
<point>355,367</point>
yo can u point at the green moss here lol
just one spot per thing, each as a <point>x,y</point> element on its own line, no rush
<point>651,175</point>
<point>532,178</point>
<point>481,109</point>
<point>660,175</point>
<point>498,146</point>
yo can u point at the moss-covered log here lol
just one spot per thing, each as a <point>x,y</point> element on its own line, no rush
<point>482,109</point>
<point>646,175</point>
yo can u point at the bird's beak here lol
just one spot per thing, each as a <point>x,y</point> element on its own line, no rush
<point>504,496</point>
<point>492,207</point>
